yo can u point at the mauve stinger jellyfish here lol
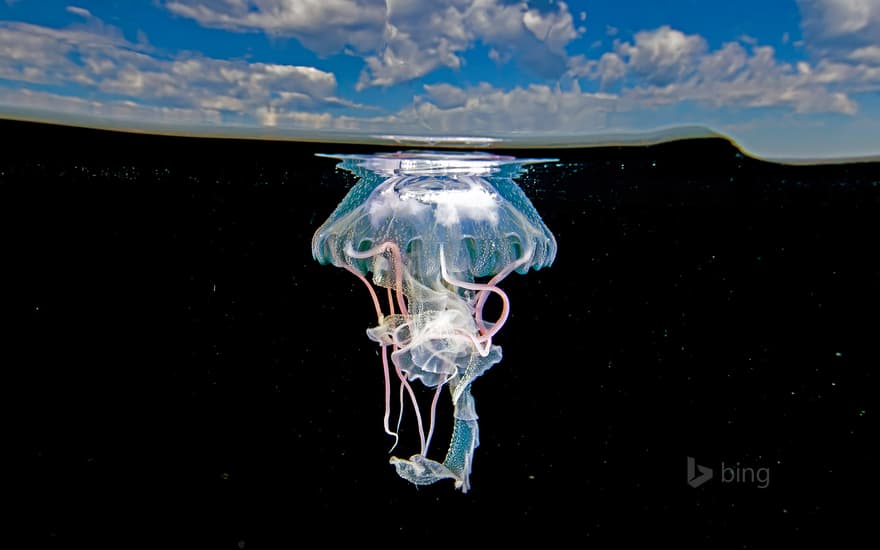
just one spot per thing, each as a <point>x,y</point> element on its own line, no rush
<point>431,235</point>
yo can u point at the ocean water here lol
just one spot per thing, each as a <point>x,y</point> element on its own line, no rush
<point>180,369</point>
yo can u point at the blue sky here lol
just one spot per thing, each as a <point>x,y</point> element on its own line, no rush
<point>785,78</point>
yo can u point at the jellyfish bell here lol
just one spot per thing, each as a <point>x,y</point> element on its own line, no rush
<point>428,227</point>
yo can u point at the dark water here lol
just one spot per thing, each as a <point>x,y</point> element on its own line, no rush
<point>179,369</point>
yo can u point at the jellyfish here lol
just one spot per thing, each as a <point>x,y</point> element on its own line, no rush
<point>431,235</point>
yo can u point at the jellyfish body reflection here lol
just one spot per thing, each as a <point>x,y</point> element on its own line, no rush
<point>431,235</point>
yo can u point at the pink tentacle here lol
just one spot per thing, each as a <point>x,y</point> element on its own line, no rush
<point>397,261</point>
<point>485,334</point>
<point>387,381</point>
<point>415,403</point>
<point>433,416</point>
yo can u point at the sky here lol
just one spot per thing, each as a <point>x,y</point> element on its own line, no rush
<point>786,79</point>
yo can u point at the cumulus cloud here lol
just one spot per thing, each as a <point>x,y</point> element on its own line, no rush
<point>662,56</point>
<point>422,35</point>
<point>401,40</point>
<point>82,12</point>
<point>843,31</point>
<point>447,110</point>
<point>846,22</point>
<point>843,36</point>
<point>665,66</point>
<point>36,54</point>
<point>121,110</point>
<point>113,68</point>
<point>446,96</point>
<point>867,54</point>
<point>532,109</point>
<point>325,26</point>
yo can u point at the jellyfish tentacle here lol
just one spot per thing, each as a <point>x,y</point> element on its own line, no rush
<point>397,261</point>
<point>386,374</point>
<point>486,334</point>
<point>483,294</point>
<point>405,386</point>
<point>483,346</point>
<point>390,302</point>
<point>400,404</point>
<point>357,274</point>
<point>415,404</point>
<point>373,294</point>
<point>433,418</point>
<point>387,415</point>
<point>404,383</point>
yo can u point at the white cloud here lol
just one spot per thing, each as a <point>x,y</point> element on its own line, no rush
<point>401,40</point>
<point>611,67</point>
<point>82,12</point>
<point>422,35</point>
<point>868,54</point>
<point>533,109</point>
<point>36,54</point>
<point>665,66</point>
<point>555,30</point>
<point>451,111</point>
<point>136,114</point>
<point>325,26</point>
<point>836,28</point>
<point>663,55</point>
<point>824,19</point>
<point>843,36</point>
<point>852,77</point>
<point>446,96</point>
<point>105,63</point>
